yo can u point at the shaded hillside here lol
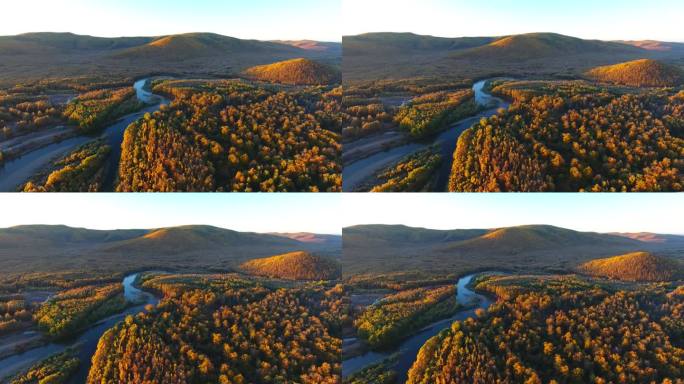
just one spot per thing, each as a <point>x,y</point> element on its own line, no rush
<point>25,236</point>
<point>295,72</point>
<point>194,247</point>
<point>650,237</point>
<point>377,56</point>
<point>639,73</point>
<point>540,45</point>
<point>541,248</point>
<point>404,43</point>
<point>294,266</point>
<point>37,56</point>
<point>311,45</point>
<point>635,266</point>
<point>182,239</point>
<point>536,237</point>
<point>192,45</point>
<point>654,45</point>
<point>40,42</point>
<point>405,234</point>
<point>308,237</point>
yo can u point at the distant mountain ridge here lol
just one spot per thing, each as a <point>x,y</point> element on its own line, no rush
<point>381,55</point>
<point>395,248</point>
<point>183,247</point>
<point>37,55</point>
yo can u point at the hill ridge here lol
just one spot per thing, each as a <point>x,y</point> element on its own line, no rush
<point>298,265</point>
<point>639,73</point>
<point>297,71</point>
<point>634,266</point>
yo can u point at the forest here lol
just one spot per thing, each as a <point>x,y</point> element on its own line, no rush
<point>380,373</point>
<point>15,313</point>
<point>432,112</point>
<point>82,170</point>
<point>394,317</point>
<point>294,266</point>
<point>414,173</point>
<point>561,329</point>
<point>231,136</point>
<point>55,369</point>
<point>573,136</point>
<point>373,106</point>
<point>70,311</point>
<point>92,111</point>
<point>285,334</point>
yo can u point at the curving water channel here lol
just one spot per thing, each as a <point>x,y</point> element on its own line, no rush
<point>357,172</point>
<point>408,349</point>
<point>16,171</point>
<point>86,342</point>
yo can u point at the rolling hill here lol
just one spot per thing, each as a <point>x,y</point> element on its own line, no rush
<point>298,71</point>
<point>294,266</point>
<point>538,248</point>
<point>193,45</point>
<point>40,55</point>
<point>308,237</point>
<point>376,56</point>
<point>195,247</point>
<point>406,43</point>
<point>635,266</point>
<point>639,73</point>
<point>312,45</point>
<point>541,45</point>
<point>40,42</point>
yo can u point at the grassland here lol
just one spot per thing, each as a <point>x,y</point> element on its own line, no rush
<point>47,55</point>
<point>59,248</point>
<point>387,254</point>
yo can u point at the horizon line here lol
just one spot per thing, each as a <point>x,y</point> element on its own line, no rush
<point>165,35</point>
<point>172,226</point>
<point>506,35</point>
<point>510,226</point>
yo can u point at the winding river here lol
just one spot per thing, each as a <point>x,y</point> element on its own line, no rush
<point>85,343</point>
<point>17,171</point>
<point>408,349</point>
<point>357,172</point>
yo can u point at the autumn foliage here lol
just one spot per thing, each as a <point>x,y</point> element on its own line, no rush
<point>222,329</point>
<point>228,136</point>
<point>296,72</point>
<point>635,266</point>
<point>294,266</point>
<point>571,138</point>
<point>639,73</point>
<point>566,333</point>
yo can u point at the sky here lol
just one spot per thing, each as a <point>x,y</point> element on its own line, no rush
<point>253,19</point>
<point>253,212</point>
<point>330,212</point>
<point>598,212</point>
<point>589,19</point>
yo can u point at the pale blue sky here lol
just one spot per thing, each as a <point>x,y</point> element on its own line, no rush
<point>600,212</point>
<point>329,212</point>
<point>254,19</point>
<point>591,19</point>
<point>257,212</point>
